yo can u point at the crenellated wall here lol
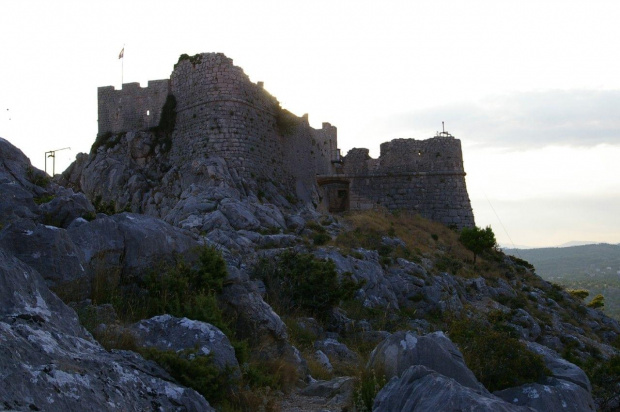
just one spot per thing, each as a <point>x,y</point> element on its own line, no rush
<point>424,176</point>
<point>220,112</point>
<point>131,108</point>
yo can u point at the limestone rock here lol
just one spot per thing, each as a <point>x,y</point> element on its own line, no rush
<point>256,320</point>
<point>48,249</point>
<point>561,368</point>
<point>336,391</point>
<point>422,389</point>
<point>338,353</point>
<point>553,395</point>
<point>65,207</point>
<point>49,362</point>
<point>434,351</point>
<point>166,332</point>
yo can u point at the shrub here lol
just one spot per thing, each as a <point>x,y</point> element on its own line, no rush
<point>321,238</point>
<point>108,208</point>
<point>185,291</point>
<point>367,387</point>
<point>597,302</point>
<point>498,359</point>
<point>580,294</point>
<point>605,379</point>
<point>478,240</point>
<point>301,281</point>
<point>274,373</point>
<point>197,372</point>
<point>37,177</point>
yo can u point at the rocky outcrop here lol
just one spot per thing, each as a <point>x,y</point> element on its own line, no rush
<point>54,230</point>
<point>435,351</point>
<point>552,395</point>
<point>49,362</point>
<point>566,389</point>
<point>168,333</point>
<point>422,389</point>
<point>123,244</point>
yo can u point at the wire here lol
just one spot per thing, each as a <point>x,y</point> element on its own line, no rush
<point>502,225</point>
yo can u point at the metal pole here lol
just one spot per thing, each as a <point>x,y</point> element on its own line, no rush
<point>52,154</point>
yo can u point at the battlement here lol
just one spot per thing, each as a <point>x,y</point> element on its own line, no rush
<point>132,107</point>
<point>424,176</point>
<point>220,112</point>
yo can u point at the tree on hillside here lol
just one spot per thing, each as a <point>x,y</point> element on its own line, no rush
<point>478,240</point>
<point>597,302</point>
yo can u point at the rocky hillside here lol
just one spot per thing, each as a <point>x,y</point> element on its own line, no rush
<point>184,287</point>
<point>594,267</point>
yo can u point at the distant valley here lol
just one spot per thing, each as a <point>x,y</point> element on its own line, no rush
<point>595,267</point>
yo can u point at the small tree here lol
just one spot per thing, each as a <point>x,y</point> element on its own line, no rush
<point>580,294</point>
<point>597,302</point>
<point>478,240</point>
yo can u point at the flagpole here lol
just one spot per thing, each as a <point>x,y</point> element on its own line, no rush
<point>123,67</point>
<point>121,56</point>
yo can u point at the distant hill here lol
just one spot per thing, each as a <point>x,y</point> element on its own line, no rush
<point>595,267</point>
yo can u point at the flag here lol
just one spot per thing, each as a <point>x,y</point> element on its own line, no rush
<point>121,54</point>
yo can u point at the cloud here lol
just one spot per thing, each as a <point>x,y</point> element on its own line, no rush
<point>524,120</point>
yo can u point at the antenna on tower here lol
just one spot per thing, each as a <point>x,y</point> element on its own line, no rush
<point>443,131</point>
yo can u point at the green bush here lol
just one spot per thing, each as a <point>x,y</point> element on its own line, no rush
<point>478,240</point>
<point>186,291</point>
<point>37,177</point>
<point>605,379</point>
<point>321,238</point>
<point>301,281</point>
<point>597,302</point>
<point>497,358</point>
<point>366,389</point>
<point>197,372</point>
<point>580,294</point>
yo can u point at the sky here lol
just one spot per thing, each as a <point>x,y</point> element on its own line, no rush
<point>531,88</point>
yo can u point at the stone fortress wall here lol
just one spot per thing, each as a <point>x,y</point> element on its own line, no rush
<point>220,112</point>
<point>424,176</point>
<point>132,108</point>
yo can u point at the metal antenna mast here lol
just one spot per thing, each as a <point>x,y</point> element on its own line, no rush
<point>52,154</point>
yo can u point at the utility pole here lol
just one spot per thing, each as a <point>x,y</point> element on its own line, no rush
<point>52,154</point>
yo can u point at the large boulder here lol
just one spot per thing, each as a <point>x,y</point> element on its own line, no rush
<point>20,184</point>
<point>551,396</point>
<point>49,362</point>
<point>48,249</point>
<point>561,368</point>
<point>568,389</point>
<point>256,320</point>
<point>435,351</point>
<point>65,207</point>
<point>422,389</point>
<point>166,333</point>
<point>107,246</point>
<point>337,353</point>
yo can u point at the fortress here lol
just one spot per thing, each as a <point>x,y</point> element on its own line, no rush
<point>213,109</point>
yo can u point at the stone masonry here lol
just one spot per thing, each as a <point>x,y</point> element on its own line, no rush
<point>423,176</point>
<point>220,112</point>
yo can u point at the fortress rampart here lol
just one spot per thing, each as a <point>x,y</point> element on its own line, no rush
<point>220,112</point>
<point>132,108</point>
<point>424,176</point>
